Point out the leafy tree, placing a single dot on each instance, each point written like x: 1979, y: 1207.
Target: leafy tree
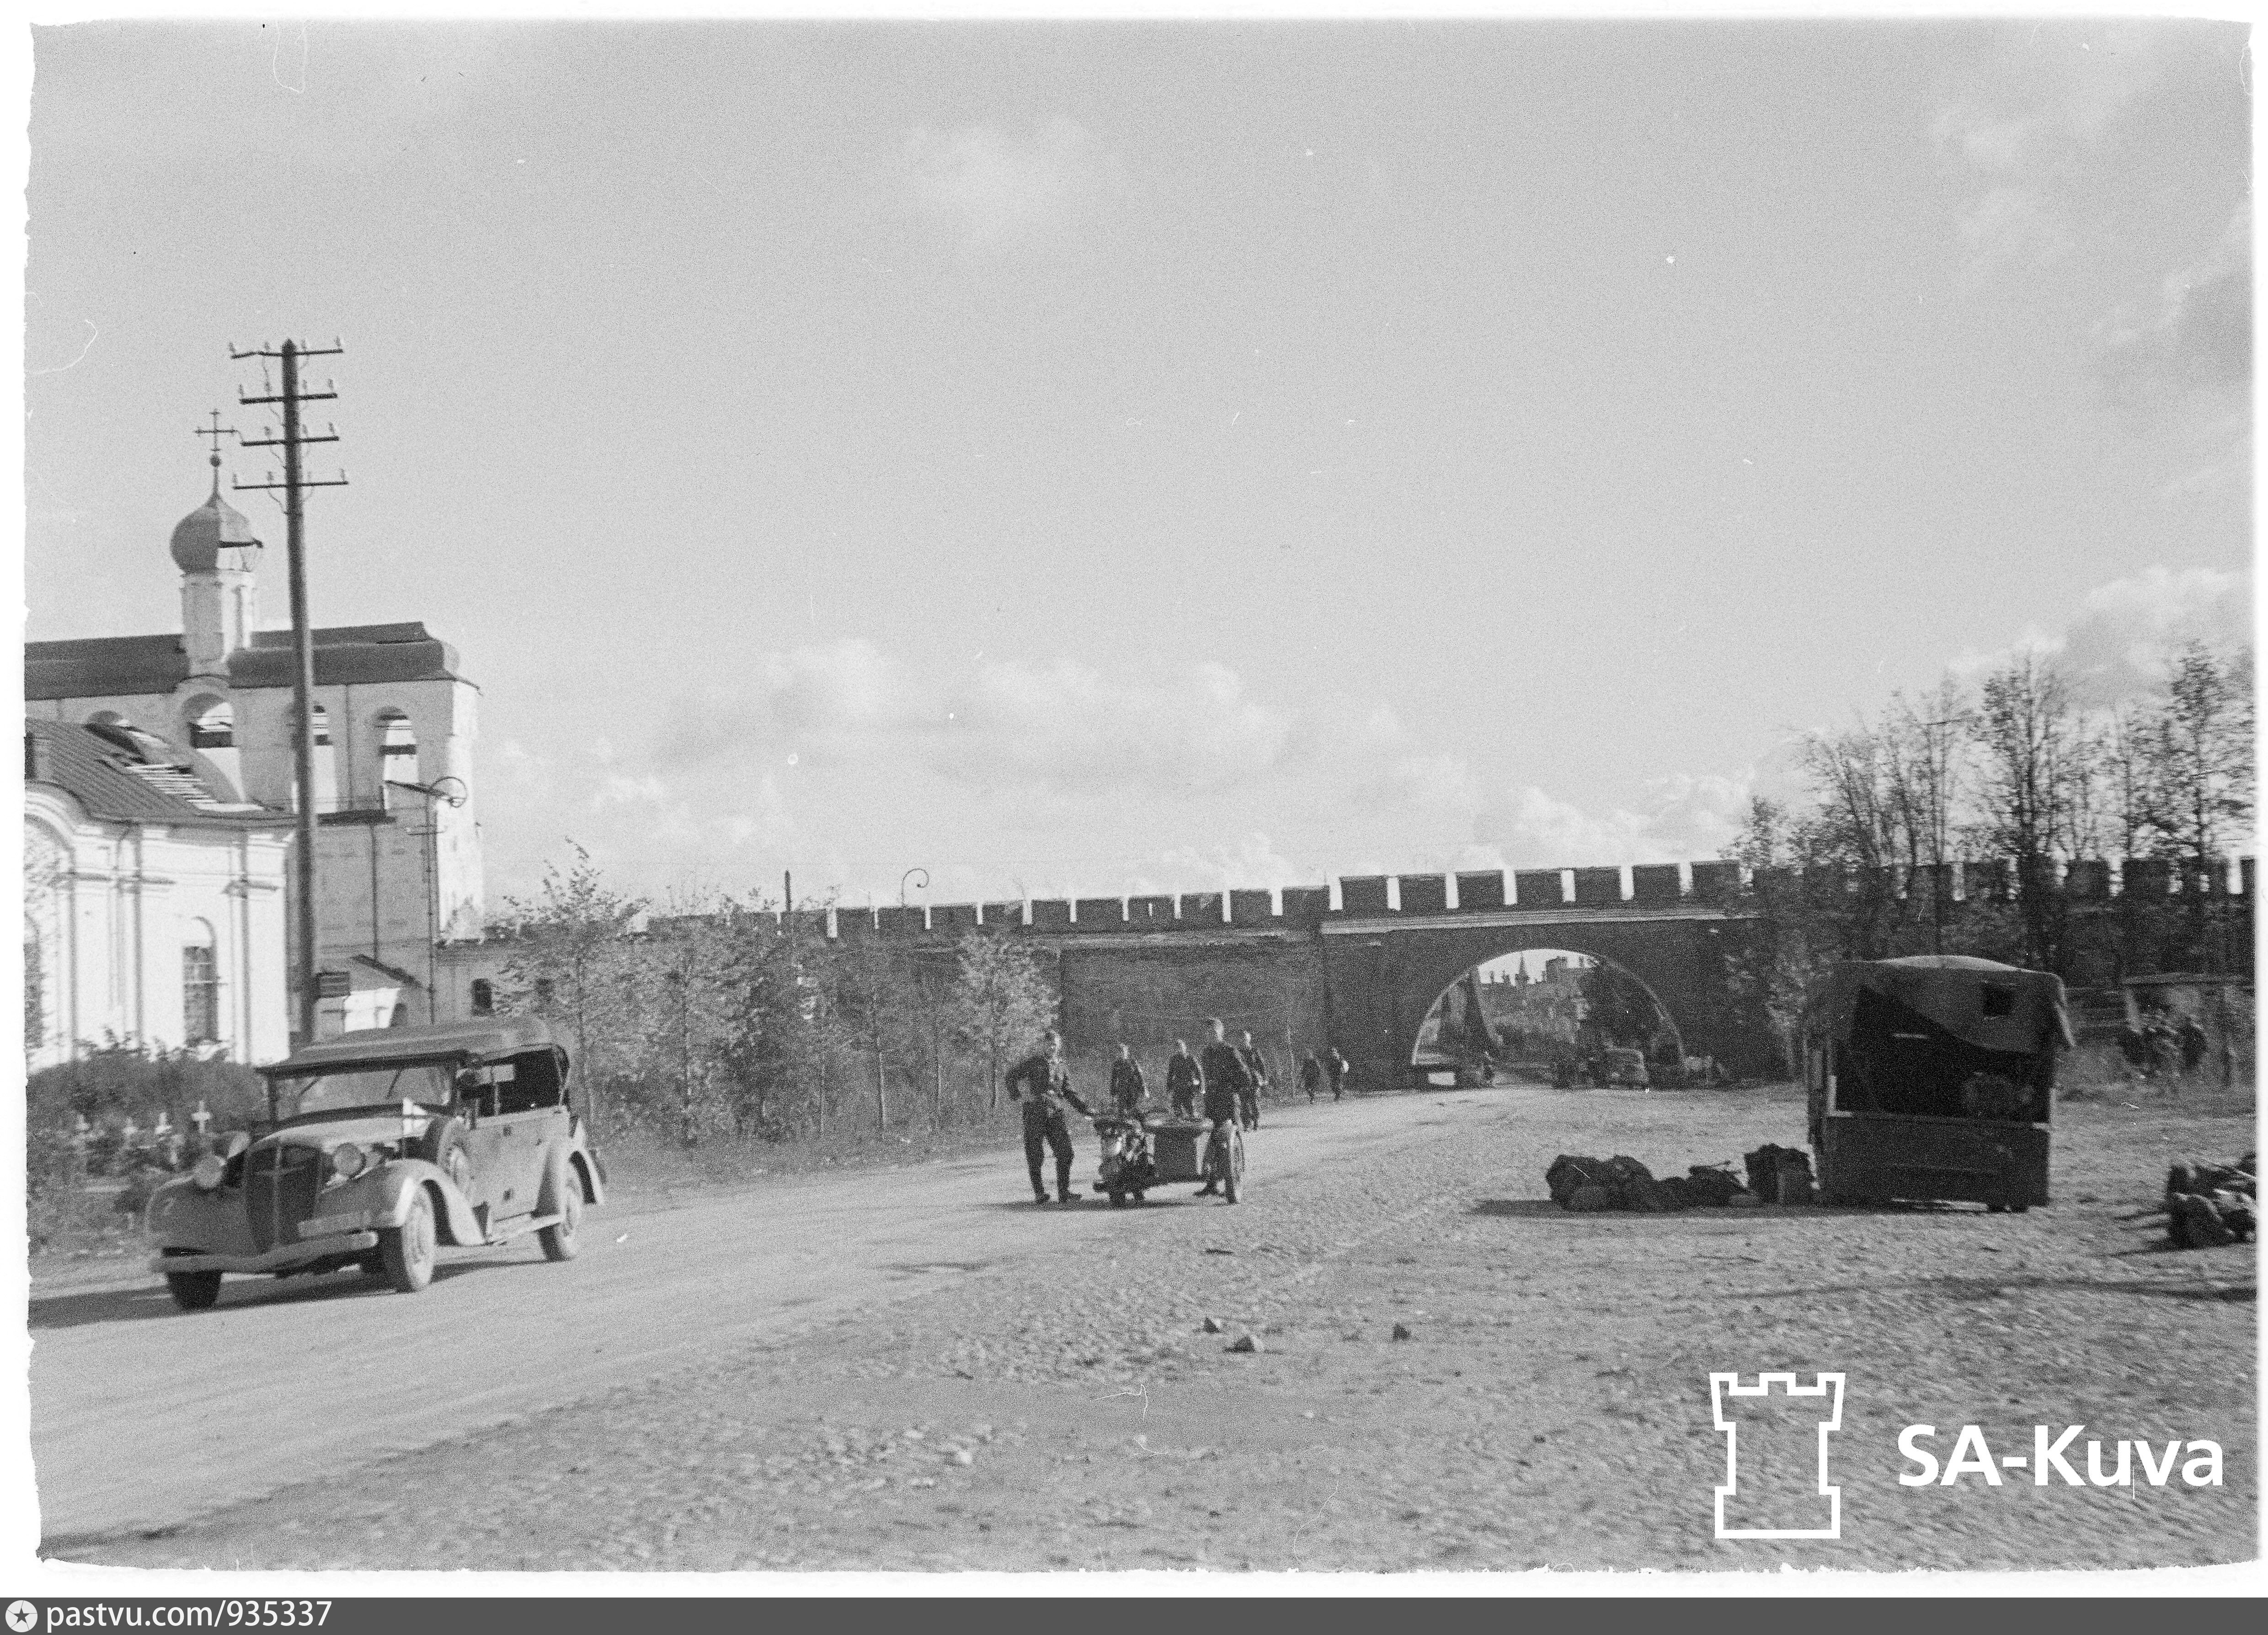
x: 571, y: 964
x: 1002, y: 1001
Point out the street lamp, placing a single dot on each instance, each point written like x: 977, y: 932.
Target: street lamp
x: 908, y: 875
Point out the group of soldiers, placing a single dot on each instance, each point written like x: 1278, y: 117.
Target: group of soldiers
x: 2160, y: 1049
x: 1225, y: 1079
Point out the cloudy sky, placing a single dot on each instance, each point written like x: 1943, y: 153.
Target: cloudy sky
x: 1083, y: 459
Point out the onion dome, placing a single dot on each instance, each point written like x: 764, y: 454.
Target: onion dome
x: 212, y: 527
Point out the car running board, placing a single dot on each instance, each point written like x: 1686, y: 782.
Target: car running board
x: 511, y: 1229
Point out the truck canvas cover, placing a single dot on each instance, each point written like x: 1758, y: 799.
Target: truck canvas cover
x: 1924, y: 1036
x: 1980, y: 1002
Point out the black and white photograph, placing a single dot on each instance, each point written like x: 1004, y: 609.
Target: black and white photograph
x: 1136, y: 806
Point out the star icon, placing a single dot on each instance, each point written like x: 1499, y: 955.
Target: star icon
x: 22, y: 1616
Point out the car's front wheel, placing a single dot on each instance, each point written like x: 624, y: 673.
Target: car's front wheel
x: 558, y: 1239
x: 194, y: 1291
x: 408, y: 1250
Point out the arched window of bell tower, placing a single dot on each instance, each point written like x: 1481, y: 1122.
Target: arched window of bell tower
x: 212, y: 736
x: 397, y: 750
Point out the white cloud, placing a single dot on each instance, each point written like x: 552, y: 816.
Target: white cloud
x: 1251, y: 864
x: 990, y: 188
x: 1683, y: 817
x: 1066, y: 729
x: 2038, y: 110
x: 2117, y: 645
x: 2197, y: 335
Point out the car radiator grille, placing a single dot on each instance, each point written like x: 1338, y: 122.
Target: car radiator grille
x: 280, y: 1187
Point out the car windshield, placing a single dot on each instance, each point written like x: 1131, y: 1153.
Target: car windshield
x: 425, y: 1082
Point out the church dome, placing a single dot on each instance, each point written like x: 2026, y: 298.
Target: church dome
x: 200, y: 537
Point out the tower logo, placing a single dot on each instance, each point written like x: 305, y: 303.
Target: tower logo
x: 1775, y: 1455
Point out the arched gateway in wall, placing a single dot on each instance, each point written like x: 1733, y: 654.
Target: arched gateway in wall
x: 1383, y: 974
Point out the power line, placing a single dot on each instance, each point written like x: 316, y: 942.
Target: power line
x: 294, y: 487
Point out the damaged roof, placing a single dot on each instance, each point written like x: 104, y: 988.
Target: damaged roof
x: 126, y: 776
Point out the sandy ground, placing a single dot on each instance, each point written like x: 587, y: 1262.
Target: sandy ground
x: 919, y: 1371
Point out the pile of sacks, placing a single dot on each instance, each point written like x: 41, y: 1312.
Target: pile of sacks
x: 1585, y: 1184
x: 2209, y: 1204
x: 1777, y: 1175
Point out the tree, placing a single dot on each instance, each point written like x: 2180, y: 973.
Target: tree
x: 570, y: 963
x: 1002, y: 1001
x: 2029, y: 758
x: 772, y: 1039
x: 2202, y: 749
x: 2203, y: 791
x: 1624, y: 1012
x: 1925, y: 787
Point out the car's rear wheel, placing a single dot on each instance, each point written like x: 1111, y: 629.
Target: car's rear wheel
x: 194, y: 1291
x: 408, y: 1251
x: 558, y: 1239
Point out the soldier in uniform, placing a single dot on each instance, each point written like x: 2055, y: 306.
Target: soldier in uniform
x: 1227, y: 1081
x: 1043, y: 1084
x: 1129, y: 1092
x: 1336, y: 1065
x: 1184, y: 1080
x: 1255, y: 1074
x: 1311, y: 1075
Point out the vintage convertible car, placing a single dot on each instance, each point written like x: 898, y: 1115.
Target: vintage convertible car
x: 381, y: 1146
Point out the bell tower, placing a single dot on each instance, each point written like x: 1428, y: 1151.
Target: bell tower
x: 219, y: 560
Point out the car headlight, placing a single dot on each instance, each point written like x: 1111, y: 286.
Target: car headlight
x: 208, y: 1170
x: 347, y: 1161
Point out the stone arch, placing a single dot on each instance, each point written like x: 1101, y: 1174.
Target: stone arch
x: 1383, y: 978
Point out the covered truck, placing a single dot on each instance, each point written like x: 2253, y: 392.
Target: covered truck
x: 1932, y: 1078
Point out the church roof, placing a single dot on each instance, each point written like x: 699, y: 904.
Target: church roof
x: 111, y: 666
x: 131, y: 776
x: 200, y: 537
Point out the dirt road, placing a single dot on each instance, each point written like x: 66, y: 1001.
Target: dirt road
x: 917, y: 1371
x: 141, y: 1412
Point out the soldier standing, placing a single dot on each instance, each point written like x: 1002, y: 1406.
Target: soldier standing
x: 1184, y: 1080
x: 1226, y: 1084
x: 1311, y: 1076
x: 1043, y: 1084
x: 1128, y: 1090
x: 1255, y: 1071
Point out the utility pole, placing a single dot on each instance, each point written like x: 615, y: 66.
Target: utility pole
x: 294, y: 486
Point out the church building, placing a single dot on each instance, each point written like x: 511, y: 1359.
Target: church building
x: 398, y: 852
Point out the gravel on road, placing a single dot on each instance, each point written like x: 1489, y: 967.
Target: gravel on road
x: 1091, y: 1404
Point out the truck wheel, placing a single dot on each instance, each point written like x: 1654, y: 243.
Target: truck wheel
x: 194, y: 1291
x: 558, y: 1240
x: 408, y: 1250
